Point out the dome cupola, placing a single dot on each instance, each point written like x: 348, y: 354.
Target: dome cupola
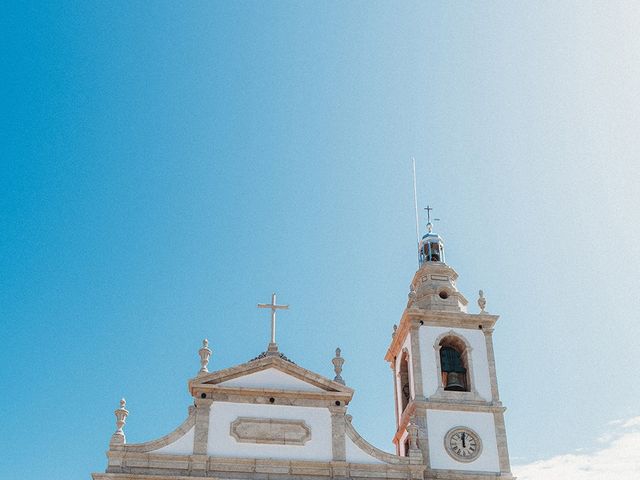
x: 431, y: 247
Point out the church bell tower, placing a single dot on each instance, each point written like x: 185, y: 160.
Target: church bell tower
x: 444, y: 374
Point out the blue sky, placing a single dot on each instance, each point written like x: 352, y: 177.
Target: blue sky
x: 167, y: 167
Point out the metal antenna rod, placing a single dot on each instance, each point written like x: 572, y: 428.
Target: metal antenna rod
x: 415, y: 204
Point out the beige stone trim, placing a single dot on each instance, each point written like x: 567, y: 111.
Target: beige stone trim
x: 420, y: 419
x: 416, y: 365
x: 371, y: 450
x: 201, y: 433
x: 466, y: 475
x: 169, y: 438
x: 215, y: 392
x: 145, y: 466
x: 413, y: 316
x: 501, y: 440
x: 270, y: 431
x: 491, y: 359
x: 312, y: 378
x: 338, y: 432
x: 335, y: 470
x: 461, y: 406
x: 280, y: 397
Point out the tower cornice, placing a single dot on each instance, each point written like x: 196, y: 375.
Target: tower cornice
x: 415, y: 317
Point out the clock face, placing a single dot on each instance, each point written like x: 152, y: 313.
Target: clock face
x: 463, y: 444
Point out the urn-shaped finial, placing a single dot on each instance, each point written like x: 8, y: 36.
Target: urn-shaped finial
x: 482, y: 302
x: 414, y: 453
x: 205, y: 354
x: 121, y: 413
x: 338, y: 361
x: 412, y: 430
x: 395, y: 330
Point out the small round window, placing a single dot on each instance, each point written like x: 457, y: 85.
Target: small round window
x: 444, y: 294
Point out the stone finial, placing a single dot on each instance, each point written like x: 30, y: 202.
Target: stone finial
x: 412, y: 293
x: 395, y: 330
x: 121, y: 413
x: 412, y: 430
x: 338, y: 361
x: 205, y: 354
x: 482, y: 302
x: 414, y: 454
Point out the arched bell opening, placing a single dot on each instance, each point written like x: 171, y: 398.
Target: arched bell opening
x: 454, y: 365
x: 405, y: 389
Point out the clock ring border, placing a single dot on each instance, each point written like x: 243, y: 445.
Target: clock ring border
x: 456, y: 457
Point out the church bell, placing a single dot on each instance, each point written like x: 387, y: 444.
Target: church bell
x: 455, y: 382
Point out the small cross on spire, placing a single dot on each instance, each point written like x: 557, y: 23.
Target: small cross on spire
x: 428, y: 209
x: 273, y: 346
x: 429, y: 224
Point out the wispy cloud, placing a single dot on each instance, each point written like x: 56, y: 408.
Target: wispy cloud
x: 617, y: 459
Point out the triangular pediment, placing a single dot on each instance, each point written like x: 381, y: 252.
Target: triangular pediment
x: 271, y: 378
x: 270, y: 373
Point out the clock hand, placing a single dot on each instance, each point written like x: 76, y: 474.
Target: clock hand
x: 464, y: 445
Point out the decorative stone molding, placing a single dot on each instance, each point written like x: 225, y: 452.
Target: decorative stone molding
x: 270, y: 431
x: 370, y: 449
x: 209, y: 383
x: 415, y: 316
x: 145, y: 466
x: 179, y: 432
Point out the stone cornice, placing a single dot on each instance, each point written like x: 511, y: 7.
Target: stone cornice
x: 461, y: 406
x: 211, y: 381
x: 149, y: 466
x: 412, y: 317
x: 263, y: 395
x: 467, y: 475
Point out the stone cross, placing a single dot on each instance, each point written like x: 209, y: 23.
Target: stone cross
x: 273, y: 346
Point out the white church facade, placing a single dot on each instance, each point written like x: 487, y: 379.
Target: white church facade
x: 270, y: 419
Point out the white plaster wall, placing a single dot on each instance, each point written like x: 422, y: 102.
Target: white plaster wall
x: 182, y: 446
x: 478, y: 357
x: 439, y: 422
x: 221, y: 443
x: 356, y: 455
x: 271, y: 378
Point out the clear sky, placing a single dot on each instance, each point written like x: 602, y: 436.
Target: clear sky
x: 166, y: 166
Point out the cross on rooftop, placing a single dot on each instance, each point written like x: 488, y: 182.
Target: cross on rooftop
x: 429, y: 224
x: 428, y: 209
x: 273, y: 347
